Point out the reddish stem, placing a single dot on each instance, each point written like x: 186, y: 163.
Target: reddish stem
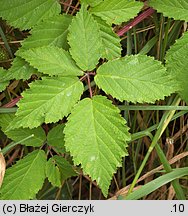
x: 12, y: 102
x: 136, y: 20
x: 92, y: 73
x: 68, y: 5
x: 89, y: 86
x: 83, y: 77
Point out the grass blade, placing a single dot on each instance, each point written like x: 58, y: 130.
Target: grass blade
x: 157, y: 183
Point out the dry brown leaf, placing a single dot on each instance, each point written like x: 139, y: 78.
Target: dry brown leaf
x: 2, y: 168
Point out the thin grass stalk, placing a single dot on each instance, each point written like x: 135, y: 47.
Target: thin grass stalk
x: 152, y: 107
x: 165, y: 41
x: 162, y: 126
x: 8, y: 110
x: 146, y: 132
x: 6, y: 42
x: 13, y: 144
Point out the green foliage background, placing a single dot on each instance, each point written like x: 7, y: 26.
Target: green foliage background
x: 63, y: 51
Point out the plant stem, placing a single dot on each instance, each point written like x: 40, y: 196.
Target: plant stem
x: 146, y: 132
x: 126, y: 103
x: 152, y: 107
x: 6, y: 43
x: 135, y: 21
x: 175, y: 183
x: 175, y: 32
x: 149, y: 45
x: 89, y: 85
x: 167, y: 167
x: 160, y: 41
x: 12, y: 144
x: 156, y: 183
x: 8, y: 110
x: 162, y: 126
x: 165, y: 39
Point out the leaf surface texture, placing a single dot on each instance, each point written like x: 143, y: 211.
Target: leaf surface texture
x: 96, y: 136
x: 173, y: 8
x: 24, y: 179
x: 177, y: 64
x: 53, y: 173
x: 136, y: 78
x: 24, y: 14
x: 86, y: 42
x: 52, y: 60
x: 21, y: 133
x: 117, y: 11
x: 111, y: 47
x: 55, y: 138
x: 50, y: 32
x: 48, y: 100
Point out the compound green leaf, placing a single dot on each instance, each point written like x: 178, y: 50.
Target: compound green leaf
x: 24, y: 14
x: 173, y: 8
x: 55, y: 138
x: 53, y: 173
x: 24, y: 179
x: 111, y: 47
x: 96, y: 136
x: 50, y: 32
x: 48, y: 100
x: 117, y: 11
x: 22, y: 133
x: 51, y: 60
x: 66, y: 169
x: 136, y: 78
x: 86, y: 43
x: 177, y: 64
